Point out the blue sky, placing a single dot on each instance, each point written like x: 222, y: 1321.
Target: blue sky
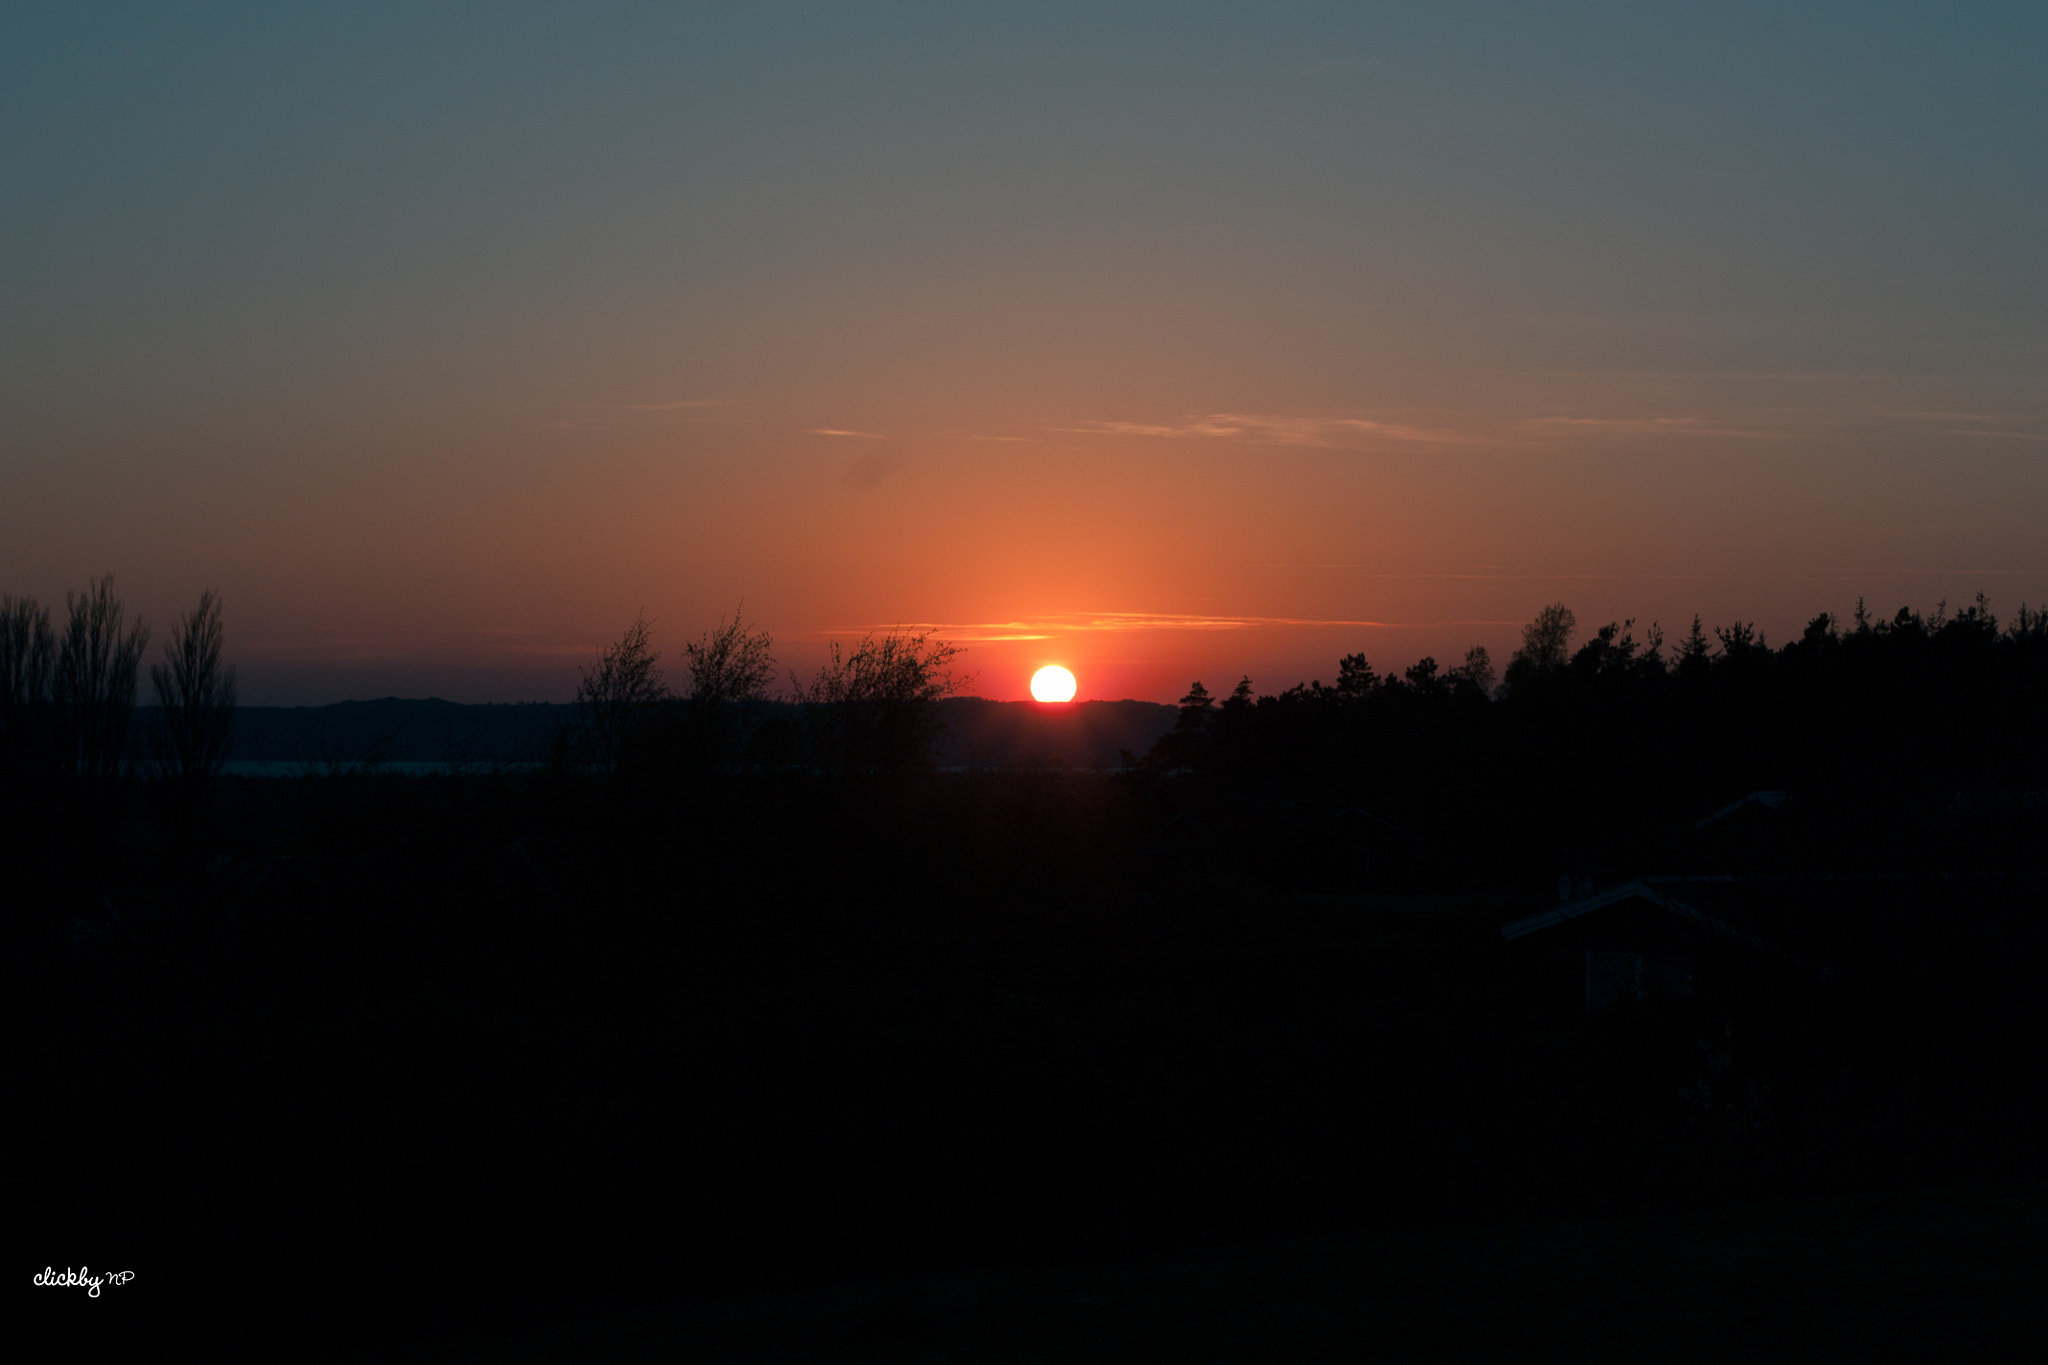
x: 442, y: 340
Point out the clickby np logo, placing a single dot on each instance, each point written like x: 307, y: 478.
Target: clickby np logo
x: 82, y: 1278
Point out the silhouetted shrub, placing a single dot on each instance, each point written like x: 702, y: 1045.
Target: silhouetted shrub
x: 620, y: 693
x: 195, y: 696
x: 871, y: 711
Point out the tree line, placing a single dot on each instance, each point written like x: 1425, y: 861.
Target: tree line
x: 866, y: 710
x: 1829, y: 699
x: 67, y: 699
x: 744, y: 992
x: 1949, y: 697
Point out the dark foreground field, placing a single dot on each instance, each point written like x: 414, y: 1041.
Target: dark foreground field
x: 360, y: 1058
x: 1928, y: 1275
x: 1400, y: 982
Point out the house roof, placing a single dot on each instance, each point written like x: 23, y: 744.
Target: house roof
x: 1768, y: 800
x: 1662, y: 892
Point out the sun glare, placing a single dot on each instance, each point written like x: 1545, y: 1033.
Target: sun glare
x: 1052, y: 683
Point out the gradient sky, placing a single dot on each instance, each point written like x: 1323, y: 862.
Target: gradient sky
x: 1163, y: 342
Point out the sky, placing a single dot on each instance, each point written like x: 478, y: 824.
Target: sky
x: 1164, y: 342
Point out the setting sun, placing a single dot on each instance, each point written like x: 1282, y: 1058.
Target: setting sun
x: 1052, y: 683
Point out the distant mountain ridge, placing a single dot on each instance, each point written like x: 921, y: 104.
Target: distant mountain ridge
x: 399, y: 729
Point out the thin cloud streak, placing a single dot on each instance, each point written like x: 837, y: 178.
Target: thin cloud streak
x: 1650, y: 426
x: 1080, y: 623
x: 1270, y: 429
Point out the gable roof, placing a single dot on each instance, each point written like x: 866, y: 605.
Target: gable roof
x: 1768, y: 800
x: 1658, y: 891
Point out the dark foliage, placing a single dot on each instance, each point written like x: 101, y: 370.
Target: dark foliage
x: 344, y: 1052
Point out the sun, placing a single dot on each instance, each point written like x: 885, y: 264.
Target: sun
x: 1052, y: 683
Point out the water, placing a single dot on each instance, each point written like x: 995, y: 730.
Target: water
x: 245, y: 767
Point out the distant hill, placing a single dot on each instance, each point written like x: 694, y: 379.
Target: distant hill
x: 1086, y: 734
x: 396, y: 729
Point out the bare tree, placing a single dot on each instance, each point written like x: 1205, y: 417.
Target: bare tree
x: 195, y: 697
x: 730, y: 663
x: 95, y: 679
x: 28, y: 656
x: 620, y: 693
x: 873, y: 710
x: 729, y: 671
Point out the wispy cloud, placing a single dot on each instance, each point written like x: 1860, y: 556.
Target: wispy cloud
x: 836, y: 431
x: 1648, y: 426
x: 677, y: 406
x: 1942, y: 415
x: 1645, y: 576
x: 1993, y: 426
x: 1274, y: 429
x: 1143, y: 620
x: 1124, y: 622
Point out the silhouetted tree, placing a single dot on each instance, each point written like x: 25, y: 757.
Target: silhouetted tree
x: 97, y: 662
x: 1475, y: 675
x: 1975, y: 622
x: 730, y: 663
x: 1546, y: 638
x: 874, y: 710
x: 28, y: 655
x: 729, y: 669
x: 1234, y: 738
x: 1611, y: 652
x: 1354, y: 678
x: 195, y: 696
x: 1183, y: 745
x: 1422, y: 678
x: 619, y: 695
x: 1820, y: 632
x: 1742, y: 643
x: 1696, y: 654
x: 1545, y: 642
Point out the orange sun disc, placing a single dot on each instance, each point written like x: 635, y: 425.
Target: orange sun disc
x: 1052, y: 683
